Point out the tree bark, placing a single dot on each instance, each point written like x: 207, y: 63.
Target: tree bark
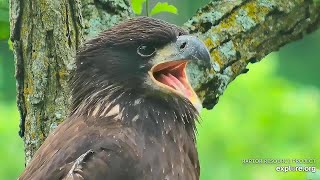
x: 242, y: 32
x: 46, y: 35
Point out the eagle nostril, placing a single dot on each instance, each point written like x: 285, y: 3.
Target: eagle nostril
x: 183, y: 45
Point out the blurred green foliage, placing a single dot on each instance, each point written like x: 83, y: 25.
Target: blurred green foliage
x: 163, y: 7
x: 4, y: 19
x: 270, y: 112
x: 160, y: 7
x: 261, y: 115
x: 137, y: 6
x: 11, y: 145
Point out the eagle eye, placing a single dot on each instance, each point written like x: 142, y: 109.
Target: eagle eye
x: 146, y: 51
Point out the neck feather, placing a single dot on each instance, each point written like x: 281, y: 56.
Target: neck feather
x: 151, y: 114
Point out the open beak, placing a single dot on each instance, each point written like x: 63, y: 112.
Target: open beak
x: 170, y: 62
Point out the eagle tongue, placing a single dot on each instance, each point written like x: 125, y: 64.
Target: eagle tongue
x: 175, y: 83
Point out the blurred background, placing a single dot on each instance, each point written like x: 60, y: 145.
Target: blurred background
x: 272, y: 112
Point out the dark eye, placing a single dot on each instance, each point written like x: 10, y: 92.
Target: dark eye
x: 146, y: 51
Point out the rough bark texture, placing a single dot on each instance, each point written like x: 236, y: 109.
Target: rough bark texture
x: 242, y: 32
x: 46, y: 35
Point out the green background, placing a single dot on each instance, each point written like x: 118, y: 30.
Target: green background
x: 271, y: 112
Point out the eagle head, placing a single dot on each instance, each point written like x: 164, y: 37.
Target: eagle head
x: 139, y: 62
x: 133, y: 109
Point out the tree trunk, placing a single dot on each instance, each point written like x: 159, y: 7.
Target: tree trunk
x: 46, y: 35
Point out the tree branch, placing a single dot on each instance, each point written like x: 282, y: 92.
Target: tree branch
x: 242, y: 32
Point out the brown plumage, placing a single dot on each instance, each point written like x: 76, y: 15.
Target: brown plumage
x: 133, y: 111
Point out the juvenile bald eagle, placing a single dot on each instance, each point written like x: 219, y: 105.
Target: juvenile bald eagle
x: 133, y: 111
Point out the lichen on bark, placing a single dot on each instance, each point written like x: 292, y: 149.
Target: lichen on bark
x: 241, y: 32
x: 45, y: 36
